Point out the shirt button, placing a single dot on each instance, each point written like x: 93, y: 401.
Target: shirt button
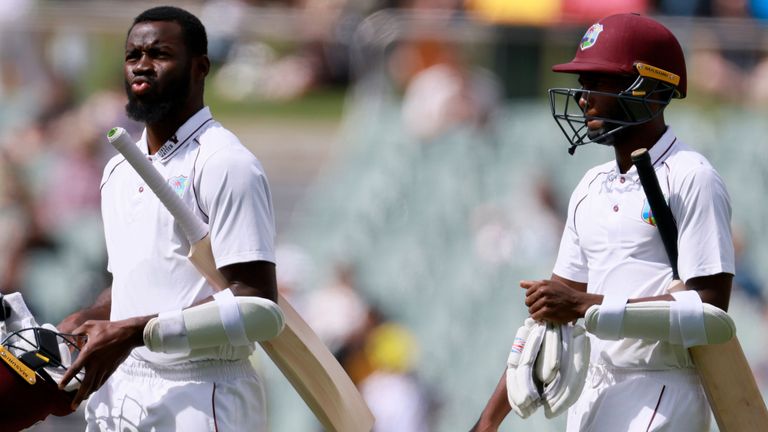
x: 622, y: 180
x: 616, y: 208
x: 141, y: 189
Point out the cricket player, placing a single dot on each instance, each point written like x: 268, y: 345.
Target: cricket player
x: 133, y: 388
x: 629, y: 68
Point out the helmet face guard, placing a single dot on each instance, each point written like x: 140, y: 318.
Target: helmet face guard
x: 641, y: 102
x: 32, y: 359
x: 40, y: 350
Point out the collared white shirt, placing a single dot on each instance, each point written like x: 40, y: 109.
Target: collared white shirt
x: 611, y: 243
x: 223, y: 183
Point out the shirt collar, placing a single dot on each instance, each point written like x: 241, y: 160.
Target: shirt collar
x: 659, y: 152
x: 183, y: 135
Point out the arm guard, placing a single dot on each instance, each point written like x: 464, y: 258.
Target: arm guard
x: 228, y: 319
x: 686, y: 321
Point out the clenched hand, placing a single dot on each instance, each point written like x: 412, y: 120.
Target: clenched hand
x: 553, y: 301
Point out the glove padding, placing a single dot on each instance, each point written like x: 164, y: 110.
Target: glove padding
x: 547, y: 366
x: 571, y: 371
x: 522, y: 388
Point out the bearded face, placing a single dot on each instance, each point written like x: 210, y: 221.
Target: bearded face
x: 158, y: 71
x: 159, y: 100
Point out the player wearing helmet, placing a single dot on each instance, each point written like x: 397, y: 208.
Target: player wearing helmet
x: 611, y: 253
x: 636, y: 64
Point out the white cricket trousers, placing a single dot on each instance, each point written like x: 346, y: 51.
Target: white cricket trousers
x: 640, y: 401
x: 206, y: 396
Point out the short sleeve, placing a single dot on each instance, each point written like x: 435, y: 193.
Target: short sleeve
x: 571, y: 262
x: 703, y: 212
x: 235, y: 195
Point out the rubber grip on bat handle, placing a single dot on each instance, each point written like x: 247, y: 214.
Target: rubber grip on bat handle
x: 665, y: 222
x: 192, y: 226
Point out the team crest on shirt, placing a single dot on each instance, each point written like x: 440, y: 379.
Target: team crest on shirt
x: 179, y: 184
x: 647, y: 214
x: 590, y: 37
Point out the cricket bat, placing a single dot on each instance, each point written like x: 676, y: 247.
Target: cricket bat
x: 298, y: 352
x: 727, y: 379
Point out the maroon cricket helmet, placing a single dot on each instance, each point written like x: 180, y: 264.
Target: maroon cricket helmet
x: 29, y: 360
x: 23, y: 404
x: 618, y: 43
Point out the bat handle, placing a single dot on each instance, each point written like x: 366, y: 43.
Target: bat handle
x: 194, y: 229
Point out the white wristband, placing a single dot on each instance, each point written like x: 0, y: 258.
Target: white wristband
x: 611, y: 315
x: 686, y: 319
x: 231, y: 318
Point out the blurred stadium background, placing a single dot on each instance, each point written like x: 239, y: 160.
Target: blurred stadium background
x: 416, y: 172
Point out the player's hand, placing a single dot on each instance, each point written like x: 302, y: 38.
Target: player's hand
x: 555, y: 302
x: 70, y: 323
x: 108, y: 344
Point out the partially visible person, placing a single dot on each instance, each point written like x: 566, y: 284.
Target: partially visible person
x: 630, y: 67
x: 131, y: 387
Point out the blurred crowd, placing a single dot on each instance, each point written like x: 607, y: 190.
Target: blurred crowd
x: 441, y: 174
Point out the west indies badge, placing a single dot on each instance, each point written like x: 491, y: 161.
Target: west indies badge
x: 647, y: 214
x: 590, y: 37
x: 179, y: 184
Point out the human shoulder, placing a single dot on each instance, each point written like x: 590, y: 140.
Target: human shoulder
x: 687, y: 165
x: 222, y: 151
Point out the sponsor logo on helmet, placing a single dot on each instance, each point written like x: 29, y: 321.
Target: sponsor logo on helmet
x: 590, y: 37
x: 179, y: 184
x: 657, y: 73
x: 20, y: 368
x: 647, y: 214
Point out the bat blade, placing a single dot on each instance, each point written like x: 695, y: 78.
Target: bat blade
x: 317, y: 376
x: 725, y: 374
x: 298, y: 352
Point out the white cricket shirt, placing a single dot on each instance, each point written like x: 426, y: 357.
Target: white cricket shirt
x: 223, y: 183
x: 610, y: 242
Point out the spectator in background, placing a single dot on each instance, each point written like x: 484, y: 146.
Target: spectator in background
x: 394, y: 394
x: 61, y: 259
x: 337, y: 312
x: 320, y: 59
x: 746, y: 281
x: 441, y: 91
x: 586, y: 11
x: 19, y: 228
x: 224, y: 21
x: 688, y: 8
x: 735, y: 61
x: 503, y: 234
x: 542, y: 12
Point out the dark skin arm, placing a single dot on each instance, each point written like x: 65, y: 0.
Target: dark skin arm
x: 98, y: 311
x: 495, y: 410
x: 110, y: 342
x: 559, y: 301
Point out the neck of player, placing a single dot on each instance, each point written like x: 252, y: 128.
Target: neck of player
x: 636, y: 137
x: 161, y: 131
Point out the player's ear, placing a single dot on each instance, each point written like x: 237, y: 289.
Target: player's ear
x: 201, y: 65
